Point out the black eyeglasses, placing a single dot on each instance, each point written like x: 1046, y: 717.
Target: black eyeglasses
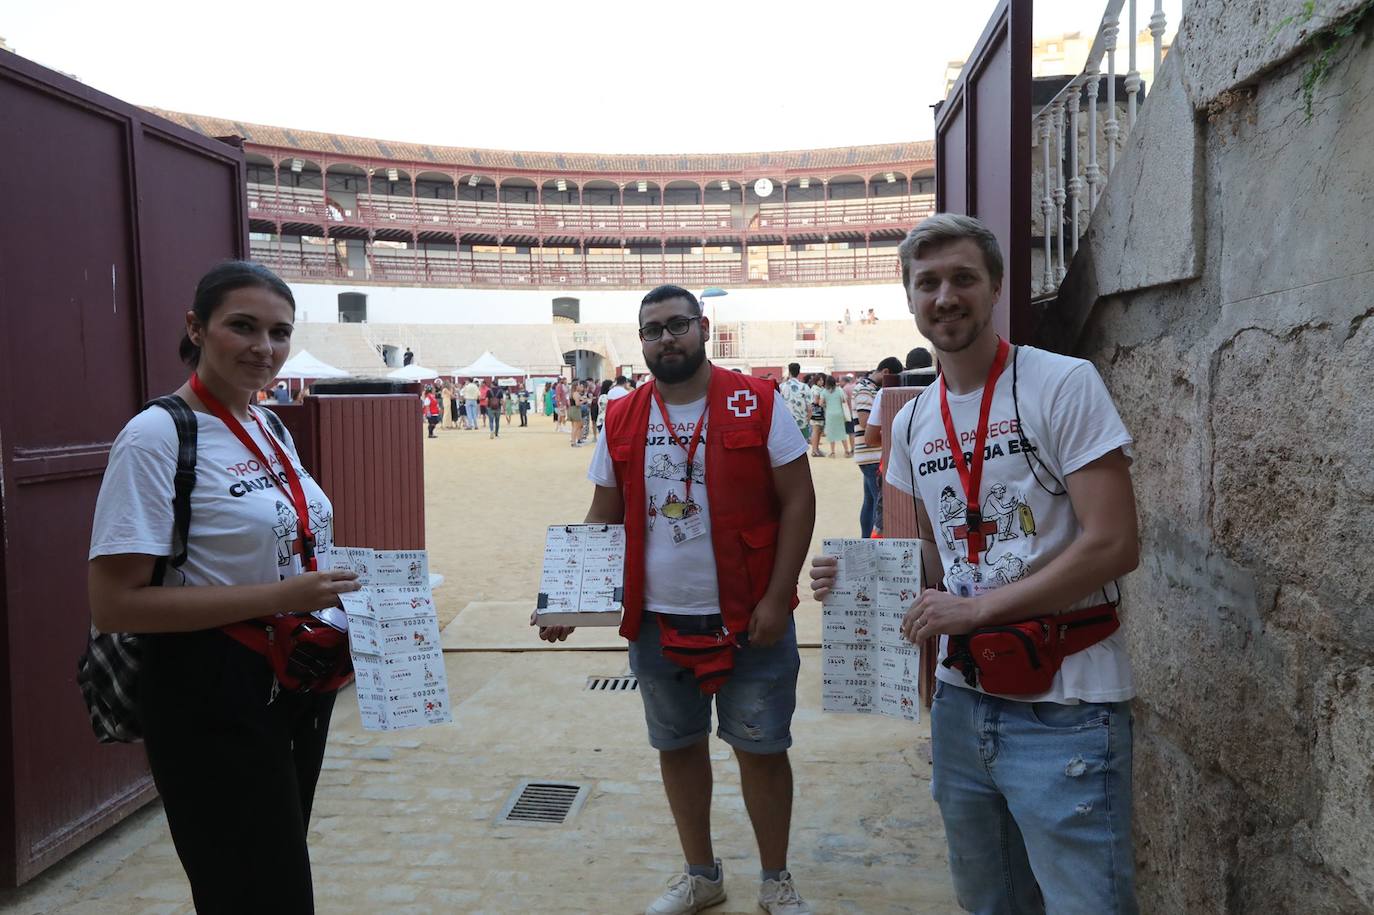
x: 676, y: 326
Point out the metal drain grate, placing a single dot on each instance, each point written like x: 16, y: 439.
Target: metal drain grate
x: 535, y: 803
x: 614, y: 684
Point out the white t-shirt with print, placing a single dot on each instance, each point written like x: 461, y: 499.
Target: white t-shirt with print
x: 243, y: 525
x: 681, y: 577
x: 1070, y: 421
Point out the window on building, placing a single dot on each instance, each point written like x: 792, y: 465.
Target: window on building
x: 352, y: 308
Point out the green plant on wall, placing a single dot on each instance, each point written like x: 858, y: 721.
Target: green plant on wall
x: 1331, y: 41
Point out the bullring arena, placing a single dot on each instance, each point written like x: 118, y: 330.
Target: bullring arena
x: 414, y: 247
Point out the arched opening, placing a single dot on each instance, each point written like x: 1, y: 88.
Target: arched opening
x: 473, y: 187
x: 560, y: 192
x: 887, y: 184
x: 586, y: 363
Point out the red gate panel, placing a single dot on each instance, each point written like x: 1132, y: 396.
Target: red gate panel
x: 983, y: 152
x: 110, y: 216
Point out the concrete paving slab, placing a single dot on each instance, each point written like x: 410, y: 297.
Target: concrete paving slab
x: 405, y: 821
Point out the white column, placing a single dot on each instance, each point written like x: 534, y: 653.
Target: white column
x: 1047, y: 200
x: 1112, y: 129
x: 1094, y: 171
x: 1157, y: 23
x: 1059, y: 196
x: 1132, y: 77
x: 1075, y: 100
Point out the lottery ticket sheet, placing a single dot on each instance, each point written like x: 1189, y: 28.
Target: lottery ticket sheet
x: 867, y: 667
x: 584, y: 575
x: 393, y: 635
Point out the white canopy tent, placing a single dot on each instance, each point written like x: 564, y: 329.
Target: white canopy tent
x: 305, y: 367
x: 488, y: 366
x: 414, y: 373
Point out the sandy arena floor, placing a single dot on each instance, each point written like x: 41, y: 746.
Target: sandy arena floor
x: 405, y: 821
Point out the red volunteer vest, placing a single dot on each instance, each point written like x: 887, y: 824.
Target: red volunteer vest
x: 739, y: 490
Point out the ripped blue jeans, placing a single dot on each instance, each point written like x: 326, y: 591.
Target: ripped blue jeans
x: 754, y: 707
x: 1036, y: 799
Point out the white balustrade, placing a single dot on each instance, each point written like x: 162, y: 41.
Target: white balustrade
x: 1069, y: 197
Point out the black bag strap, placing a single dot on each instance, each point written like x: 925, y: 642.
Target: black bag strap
x: 273, y: 420
x: 184, y: 481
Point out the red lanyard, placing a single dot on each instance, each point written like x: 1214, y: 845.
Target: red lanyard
x: 288, y: 470
x: 696, y: 438
x: 974, y: 529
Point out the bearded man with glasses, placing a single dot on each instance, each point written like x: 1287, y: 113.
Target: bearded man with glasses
x: 708, y: 473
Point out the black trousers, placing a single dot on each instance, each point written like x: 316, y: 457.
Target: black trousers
x: 237, y: 775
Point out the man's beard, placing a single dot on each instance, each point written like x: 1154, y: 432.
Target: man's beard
x: 680, y: 370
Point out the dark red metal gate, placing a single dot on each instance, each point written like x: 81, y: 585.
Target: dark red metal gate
x: 983, y: 152
x: 110, y: 216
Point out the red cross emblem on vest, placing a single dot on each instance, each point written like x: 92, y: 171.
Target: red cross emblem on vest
x: 742, y: 403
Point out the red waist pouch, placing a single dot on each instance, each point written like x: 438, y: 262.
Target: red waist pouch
x: 1021, y: 659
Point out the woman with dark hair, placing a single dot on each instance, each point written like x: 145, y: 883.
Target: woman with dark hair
x: 235, y: 756
x: 574, y: 413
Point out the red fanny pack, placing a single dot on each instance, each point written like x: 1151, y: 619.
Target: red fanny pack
x: 709, y: 655
x: 1021, y: 659
x: 305, y: 653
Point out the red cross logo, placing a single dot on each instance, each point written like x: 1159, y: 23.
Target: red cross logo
x: 743, y: 403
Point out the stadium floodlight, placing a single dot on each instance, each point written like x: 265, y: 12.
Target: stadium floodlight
x: 643, y: 186
x: 472, y: 181
x: 891, y: 178
x: 297, y: 165
x: 804, y: 183
x: 393, y: 175
x: 724, y: 185
x: 561, y: 185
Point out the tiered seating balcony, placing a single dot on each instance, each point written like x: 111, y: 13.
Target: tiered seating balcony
x: 464, y: 216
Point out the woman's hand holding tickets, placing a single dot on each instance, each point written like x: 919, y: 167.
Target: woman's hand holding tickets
x: 311, y: 591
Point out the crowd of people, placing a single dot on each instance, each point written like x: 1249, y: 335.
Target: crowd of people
x: 473, y: 404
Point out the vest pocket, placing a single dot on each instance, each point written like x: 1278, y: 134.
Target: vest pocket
x: 742, y: 438
x: 759, y: 548
x: 619, y: 450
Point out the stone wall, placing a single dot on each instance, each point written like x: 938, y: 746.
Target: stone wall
x: 1224, y: 291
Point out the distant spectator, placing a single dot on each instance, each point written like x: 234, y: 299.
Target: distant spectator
x: 495, y: 397
x: 471, y: 395
x: 282, y: 394
x: 619, y: 389
x: 865, y: 455
x: 847, y: 318
x: 431, y: 409
x: 795, y: 394
x: 408, y: 358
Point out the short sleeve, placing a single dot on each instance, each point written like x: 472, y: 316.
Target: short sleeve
x: 899, y: 456
x: 133, y: 513
x: 602, y: 470
x: 785, y: 442
x: 1084, y: 421
x: 875, y: 415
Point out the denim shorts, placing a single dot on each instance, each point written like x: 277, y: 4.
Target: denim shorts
x: 754, y: 707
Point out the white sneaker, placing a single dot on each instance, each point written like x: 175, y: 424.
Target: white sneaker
x: 687, y: 894
x: 780, y: 897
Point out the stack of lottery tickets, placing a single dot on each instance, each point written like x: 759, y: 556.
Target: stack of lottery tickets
x: 393, y: 634
x: 582, y: 583
x: 866, y: 665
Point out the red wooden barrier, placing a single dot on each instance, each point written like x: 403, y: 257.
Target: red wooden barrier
x: 370, y: 461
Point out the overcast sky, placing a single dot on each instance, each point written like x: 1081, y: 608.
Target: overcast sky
x: 606, y: 76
